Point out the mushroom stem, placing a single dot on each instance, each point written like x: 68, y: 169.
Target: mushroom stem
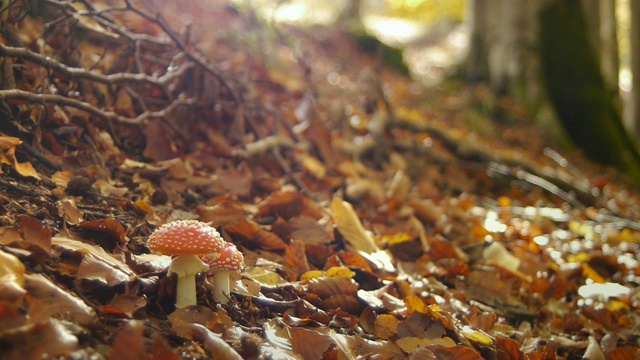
x: 221, y: 286
x: 186, y: 267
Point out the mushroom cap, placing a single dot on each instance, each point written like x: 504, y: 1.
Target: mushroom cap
x: 227, y: 259
x: 186, y: 237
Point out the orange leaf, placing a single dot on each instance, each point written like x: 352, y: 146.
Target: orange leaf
x: 287, y: 205
x: 415, y: 303
x: 109, y: 227
x: 35, y: 232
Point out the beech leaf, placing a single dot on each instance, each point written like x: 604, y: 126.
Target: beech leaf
x: 349, y: 225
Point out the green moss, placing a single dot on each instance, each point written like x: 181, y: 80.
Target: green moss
x: 577, y: 89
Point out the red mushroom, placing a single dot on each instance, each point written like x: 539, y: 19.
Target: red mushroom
x: 188, y: 239
x: 223, y: 264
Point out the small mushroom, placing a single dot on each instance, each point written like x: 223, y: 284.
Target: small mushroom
x: 223, y: 264
x: 187, y: 240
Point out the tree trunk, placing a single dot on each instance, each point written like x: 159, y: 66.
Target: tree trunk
x: 577, y: 89
x: 634, y: 36
x: 609, y: 56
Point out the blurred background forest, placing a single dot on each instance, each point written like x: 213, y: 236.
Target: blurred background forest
x: 569, y: 63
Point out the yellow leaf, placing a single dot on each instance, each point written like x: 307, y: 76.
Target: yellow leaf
x: 410, y: 343
x: 476, y: 336
x: 7, y: 142
x: 340, y: 271
x: 582, y: 257
x: 592, y: 274
x: 385, y: 326
x: 26, y: 169
x: 415, y: 303
x: 12, y: 267
x: 349, y: 225
x: 312, y: 274
x: 397, y: 238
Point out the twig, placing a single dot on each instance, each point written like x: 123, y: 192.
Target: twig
x: 91, y: 109
x: 569, y: 197
x: 81, y: 73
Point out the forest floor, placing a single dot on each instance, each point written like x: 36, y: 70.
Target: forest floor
x: 378, y: 218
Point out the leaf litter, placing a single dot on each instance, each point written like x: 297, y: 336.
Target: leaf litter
x: 373, y: 223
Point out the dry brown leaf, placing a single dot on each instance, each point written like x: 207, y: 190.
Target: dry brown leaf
x: 421, y: 326
x: 52, y: 301
x: 307, y: 229
x: 328, y: 286
x: 96, y: 263
x: 410, y: 344
x: 109, y: 227
x: 221, y: 214
x: 349, y: 225
x: 68, y: 210
x: 182, y: 319
x: 39, y: 340
x: 129, y: 343
x: 348, y: 303
x: 308, y: 343
x: 35, y: 232
x: 508, y: 349
x: 125, y: 305
x: 9, y: 234
x: 160, y: 144
x: 214, y: 344
x: 624, y: 353
x: 11, y: 278
x: 295, y: 258
x: 385, y: 326
x: 236, y: 181
x: 287, y: 204
x: 254, y: 235
x: 457, y: 352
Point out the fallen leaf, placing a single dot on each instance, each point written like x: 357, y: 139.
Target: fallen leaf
x: 385, y: 326
x: 410, y: 344
x: 422, y: 326
x: 309, y: 344
x: 68, y: 210
x: 110, y: 227
x: 217, y: 347
x: 604, y: 291
x: 52, y: 301
x: 129, y: 343
x: 96, y: 263
x: 183, y: 319
x: 35, y: 232
x: 287, y: 204
x: 11, y: 278
x: 349, y: 225
x: 457, y: 352
x: 39, y: 340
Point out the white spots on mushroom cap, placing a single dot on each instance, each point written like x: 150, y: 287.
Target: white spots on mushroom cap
x: 186, y: 237
x: 228, y: 258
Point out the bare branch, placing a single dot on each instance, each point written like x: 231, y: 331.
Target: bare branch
x: 81, y: 73
x: 91, y: 109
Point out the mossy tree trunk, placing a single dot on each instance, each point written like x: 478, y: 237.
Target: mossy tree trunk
x: 576, y: 87
x: 634, y: 36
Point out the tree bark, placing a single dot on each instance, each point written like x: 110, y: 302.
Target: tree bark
x: 608, y: 49
x: 577, y: 89
x: 634, y: 36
